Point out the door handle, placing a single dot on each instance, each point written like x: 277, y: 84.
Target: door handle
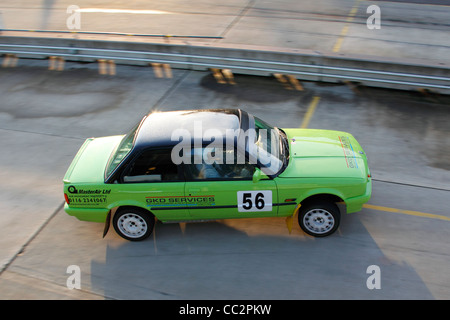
x: 194, y: 190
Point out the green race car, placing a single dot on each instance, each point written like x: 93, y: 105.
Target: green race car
x: 198, y: 165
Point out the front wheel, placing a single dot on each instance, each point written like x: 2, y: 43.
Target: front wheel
x: 319, y: 220
x: 133, y: 224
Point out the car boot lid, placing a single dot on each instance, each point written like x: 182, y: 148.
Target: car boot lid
x: 88, y: 166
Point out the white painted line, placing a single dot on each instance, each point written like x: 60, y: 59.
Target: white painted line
x: 131, y: 11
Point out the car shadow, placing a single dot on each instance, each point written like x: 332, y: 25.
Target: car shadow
x: 251, y: 259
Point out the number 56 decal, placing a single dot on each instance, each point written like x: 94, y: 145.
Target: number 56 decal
x: 260, y: 200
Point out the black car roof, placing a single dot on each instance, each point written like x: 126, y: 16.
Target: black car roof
x: 159, y: 129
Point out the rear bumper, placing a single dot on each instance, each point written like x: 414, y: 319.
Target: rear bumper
x: 355, y: 204
x: 84, y: 214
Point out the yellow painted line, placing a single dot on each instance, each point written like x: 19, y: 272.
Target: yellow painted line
x: 337, y: 45
x: 353, y: 11
x: 408, y: 212
x: 310, y: 111
x: 344, y: 31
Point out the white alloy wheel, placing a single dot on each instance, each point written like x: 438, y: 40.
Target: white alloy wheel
x: 133, y: 223
x: 318, y: 221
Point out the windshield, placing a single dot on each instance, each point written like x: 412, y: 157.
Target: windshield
x: 122, y: 150
x: 270, y: 147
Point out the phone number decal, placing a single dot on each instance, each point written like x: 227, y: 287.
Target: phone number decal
x: 87, y: 200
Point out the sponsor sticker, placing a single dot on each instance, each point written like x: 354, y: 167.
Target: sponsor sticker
x: 174, y: 201
x: 349, y: 153
x: 87, y: 197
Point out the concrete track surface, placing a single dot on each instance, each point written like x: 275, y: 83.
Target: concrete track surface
x: 46, y: 115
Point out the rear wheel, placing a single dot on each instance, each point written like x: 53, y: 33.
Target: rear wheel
x: 133, y: 224
x: 319, y: 219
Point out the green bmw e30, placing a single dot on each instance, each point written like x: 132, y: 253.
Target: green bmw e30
x: 216, y: 164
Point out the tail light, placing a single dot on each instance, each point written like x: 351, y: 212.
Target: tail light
x: 67, y: 198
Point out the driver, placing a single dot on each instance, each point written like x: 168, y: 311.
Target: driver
x: 207, y: 169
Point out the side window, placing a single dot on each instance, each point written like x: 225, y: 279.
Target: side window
x: 217, y: 164
x: 152, y: 166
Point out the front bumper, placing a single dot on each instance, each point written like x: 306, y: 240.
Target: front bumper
x: 355, y: 204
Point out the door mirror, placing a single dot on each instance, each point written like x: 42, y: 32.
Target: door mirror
x: 258, y: 175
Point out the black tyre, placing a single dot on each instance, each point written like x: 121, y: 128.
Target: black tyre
x: 133, y: 224
x: 320, y: 219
